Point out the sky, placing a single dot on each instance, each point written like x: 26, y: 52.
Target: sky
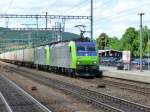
x: 110, y: 16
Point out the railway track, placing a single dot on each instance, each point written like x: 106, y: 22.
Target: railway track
x: 103, y: 101
x: 4, y: 107
x: 17, y: 100
x: 127, y: 86
x: 136, y: 87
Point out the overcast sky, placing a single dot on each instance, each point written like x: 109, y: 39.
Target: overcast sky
x: 110, y: 16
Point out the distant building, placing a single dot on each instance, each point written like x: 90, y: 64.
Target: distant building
x: 110, y: 53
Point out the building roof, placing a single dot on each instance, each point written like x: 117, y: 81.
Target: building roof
x: 108, y: 50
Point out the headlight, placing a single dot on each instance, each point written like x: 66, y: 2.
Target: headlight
x: 78, y: 62
x: 95, y: 62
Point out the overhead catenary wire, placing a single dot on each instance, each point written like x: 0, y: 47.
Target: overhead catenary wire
x: 9, y: 6
x: 81, y: 6
x: 119, y: 15
x: 122, y: 16
x: 76, y: 7
x: 103, y: 4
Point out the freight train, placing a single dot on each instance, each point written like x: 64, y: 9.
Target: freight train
x: 73, y: 58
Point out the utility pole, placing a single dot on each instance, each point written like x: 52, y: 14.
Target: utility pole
x: 7, y: 21
x: 37, y: 21
x: 63, y: 23
x: 141, y: 51
x: 29, y: 34
x: 37, y: 66
x: 37, y: 25
x: 46, y: 24
x: 29, y: 39
x: 46, y: 19
x: 91, y: 20
x: 148, y: 50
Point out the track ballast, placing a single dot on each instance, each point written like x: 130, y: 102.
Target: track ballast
x: 17, y: 99
x: 106, y: 102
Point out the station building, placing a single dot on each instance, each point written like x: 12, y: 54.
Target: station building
x: 110, y: 53
x: 110, y: 57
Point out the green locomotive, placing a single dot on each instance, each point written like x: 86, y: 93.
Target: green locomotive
x: 74, y: 58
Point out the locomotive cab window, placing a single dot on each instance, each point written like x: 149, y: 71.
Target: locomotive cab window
x: 80, y: 48
x: 91, y: 48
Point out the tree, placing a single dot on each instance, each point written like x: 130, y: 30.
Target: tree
x: 109, y: 42
x: 114, y: 43
x: 148, y: 48
x: 102, y: 41
x: 129, y: 41
x: 145, y: 40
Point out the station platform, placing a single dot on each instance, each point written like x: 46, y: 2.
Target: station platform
x: 134, y: 75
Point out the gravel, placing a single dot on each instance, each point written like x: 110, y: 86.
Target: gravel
x: 92, y: 84
x: 54, y: 99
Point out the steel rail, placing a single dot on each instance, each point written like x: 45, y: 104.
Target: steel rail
x: 41, y: 106
x: 5, y: 103
x: 92, y: 101
x: 132, y: 87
